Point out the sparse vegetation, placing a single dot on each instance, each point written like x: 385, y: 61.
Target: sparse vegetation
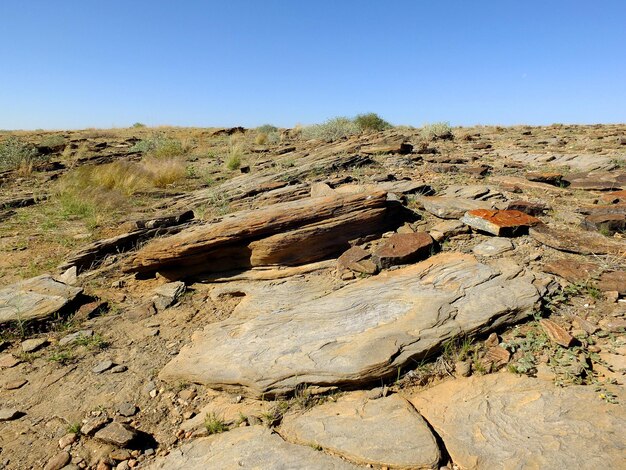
x: 16, y: 154
x: 371, y: 122
x: 331, y: 130
x: 235, y: 157
x: 214, y: 425
x: 437, y: 131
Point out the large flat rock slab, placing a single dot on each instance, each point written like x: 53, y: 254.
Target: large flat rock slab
x: 300, y: 331
x: 384, y: 432
x: 290, y: 234
x: 503, y: 421
x: 584, y: 243
x: 35, y: 299
x: 247, y: 448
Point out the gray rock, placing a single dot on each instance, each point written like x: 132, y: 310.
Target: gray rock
x: 94, y: 424
x: 249, y: 447
x: 35, y: 299
x: 354, y: 335
x: 508, y: 422
x: 167, y: 294
x: 33, y: 344
x: 493, y: 246
x: 384, y: 432
x: 447, y: 229
x: 69, y: 277
x: 446, y: 207
x: 68, y: 339
x: 116, y: 434
x: 9, y: 414
x: 127, y: 409
x: 118, y: 369
x: 102, y: 366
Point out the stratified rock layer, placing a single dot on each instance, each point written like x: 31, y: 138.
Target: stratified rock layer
x: 282, y: 335
x: 503, y: 421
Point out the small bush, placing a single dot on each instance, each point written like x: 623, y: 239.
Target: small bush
x: 235, y: 157
x: 18, y: 155
x: 437, y: 130
x: 53, y: 141
x: 371, y: 122
x: 331, y: 130
x: 261, y: 138
x: 139, y: 125
x: 164, y: 171
x: 159, y: 146
x: 214, y: 425
x: 266, y: 129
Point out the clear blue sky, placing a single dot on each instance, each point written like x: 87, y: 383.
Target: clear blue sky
x: 104, y: 63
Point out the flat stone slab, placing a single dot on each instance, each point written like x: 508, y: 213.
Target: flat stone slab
x: 35, y: 299
x: 448, y: 207
x: 572, y: 270
x: 493, y: 247
x: 403, y: 248
x: 584, y: 243
x: 253, y: 447
x: 305, y: 331
x: 384, y: 432
x: 505, y: 222
x: 505, y: 421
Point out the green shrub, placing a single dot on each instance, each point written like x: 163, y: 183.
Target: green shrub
x: 139, y: 125
x: 266, y: 129
x: 52, y: 141
x: 16, y: 154
x: 437, y: 130
x: 331, y: 130
x: 159, y: 146
x: 371, y: 122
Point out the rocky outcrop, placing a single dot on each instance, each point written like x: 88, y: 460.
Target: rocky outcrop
x: 289, y: 234
x: 508, y: 422
x: 354, y: 335
x: 252, y: 447
x: 386, y: 432
x: 35, y: 299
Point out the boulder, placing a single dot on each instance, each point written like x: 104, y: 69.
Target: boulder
x: 386, y: 432
x: 291, y: 234
x: 35, y: 299
x: 250, y: 447
x: 508, y: 422
x: 352, y: 335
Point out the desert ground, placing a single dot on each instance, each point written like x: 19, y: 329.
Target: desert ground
x: 345, y: 295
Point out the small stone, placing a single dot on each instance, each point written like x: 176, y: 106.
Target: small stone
x: 120, y: 454
x: 69, y: 277
x: 127, y: 409
x: 154, y: 393
x: 116, y: 434
x: 497, y: 356
x: 463, y: 368
x: 492, y: 340
x: 68, y: 339
x: 556, y: 333
x: 613, y: 281
x: 93, y: 425
x: 33, y: 344
x: 9, y: 414
x: 67, y: 440
x: 7, y: 361
x: 102, y: 366
x: 168, y: 294
x: 583, y: 324
x: 122, y: 466
x: 189, y: 414
x: 493, y: 247
x: 594, y: 348
x: 102, y: 465
x: 118, y: 369
x: 613, y: 325
x: 58, y: 461
x: 188, y: 394
x: 612, y: 296
x: 15, y: 384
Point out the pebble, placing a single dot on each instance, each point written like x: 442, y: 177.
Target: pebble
x: 68, y: 339
x: 33, y: 344
x: 92, y: 425
x: 8, y: 360
x: 127, y: 409
x: 188, y: 394
x: 120, y: 454
x: 463, y: 368
x: 118, y: 369
x: 58, y: 461
x: 102, y: 366
x: 67, y: 440
x: 116, y: 434
x: 122, y: 466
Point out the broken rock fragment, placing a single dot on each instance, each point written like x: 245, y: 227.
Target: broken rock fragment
x: 403, y: 248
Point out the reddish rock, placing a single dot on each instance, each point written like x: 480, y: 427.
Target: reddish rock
x: 497, y: 222
x: 572, y: 271
x: 614, y: 197
x: 58, y: 461
x: 556, y: 333
x: 530, y: 208
x: 613, y: 281
x: 8, y: 360
x: 351, y: 256
x: 497, y: 356
x: 403, y: 248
